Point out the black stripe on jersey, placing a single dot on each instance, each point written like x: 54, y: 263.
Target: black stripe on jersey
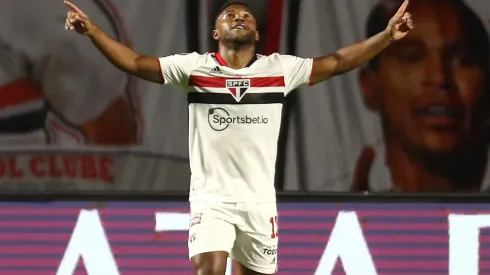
x: 24, y: 123
x: 228, y: 99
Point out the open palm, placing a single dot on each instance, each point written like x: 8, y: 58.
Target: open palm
x: 400, y: 24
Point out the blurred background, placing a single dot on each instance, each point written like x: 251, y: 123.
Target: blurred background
x: 414, y: 120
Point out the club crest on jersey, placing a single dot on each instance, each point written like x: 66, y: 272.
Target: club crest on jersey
x: 238, y: 87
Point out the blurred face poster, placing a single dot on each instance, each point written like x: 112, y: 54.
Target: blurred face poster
x: 414, y: 119
x: 431, y: 94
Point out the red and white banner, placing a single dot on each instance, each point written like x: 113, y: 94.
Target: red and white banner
x: 60, y: 97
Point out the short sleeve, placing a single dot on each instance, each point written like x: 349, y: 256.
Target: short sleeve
x: 177, y: 68
x: 297, y: 71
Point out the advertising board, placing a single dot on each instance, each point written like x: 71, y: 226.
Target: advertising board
x: 145, y: 238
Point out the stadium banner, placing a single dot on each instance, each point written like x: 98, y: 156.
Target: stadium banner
x: 414, y: 119
x: 130, y: 238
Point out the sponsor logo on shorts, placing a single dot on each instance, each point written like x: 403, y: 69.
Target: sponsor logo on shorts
x: 195, y: 219
x: 220, y: 119
x: 192, y: 238
x: 269, y: 250
x: 270, y: 254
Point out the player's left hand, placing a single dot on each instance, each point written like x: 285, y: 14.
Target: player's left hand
x: 401, y: 23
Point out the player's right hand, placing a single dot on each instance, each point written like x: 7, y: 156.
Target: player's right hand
x: 77, y: 20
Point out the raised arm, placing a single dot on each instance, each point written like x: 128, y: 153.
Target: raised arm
x: 119, y: 55
x: 353, y: 56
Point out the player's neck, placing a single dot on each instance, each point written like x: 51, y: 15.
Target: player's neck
x: 237, y: 58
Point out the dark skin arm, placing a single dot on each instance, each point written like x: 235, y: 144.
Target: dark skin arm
x: 353, y: 56
x: 125, y: 58
x: 117, y: 125
x: 119, y: 55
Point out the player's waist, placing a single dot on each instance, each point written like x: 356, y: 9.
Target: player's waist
x: 210, y: 198
x: 232, y: 190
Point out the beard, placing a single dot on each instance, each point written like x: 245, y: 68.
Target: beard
x: 240, y: 40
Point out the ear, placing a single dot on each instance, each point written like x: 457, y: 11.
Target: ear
x: 257, y: 36
x: 369, y: 85
x: 215, y: 35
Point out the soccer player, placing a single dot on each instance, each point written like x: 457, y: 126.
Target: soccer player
x: 235, y: 101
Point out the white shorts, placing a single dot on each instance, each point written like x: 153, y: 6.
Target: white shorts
x: 247, y: 231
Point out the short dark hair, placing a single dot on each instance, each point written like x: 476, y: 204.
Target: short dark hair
x: 474, y: 28
x: 231, y: 3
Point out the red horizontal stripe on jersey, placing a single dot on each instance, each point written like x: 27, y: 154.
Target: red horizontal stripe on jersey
x: 220, y: 82
x: 19, y: 92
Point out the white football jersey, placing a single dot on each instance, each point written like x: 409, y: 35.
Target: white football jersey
x: 234, y: 121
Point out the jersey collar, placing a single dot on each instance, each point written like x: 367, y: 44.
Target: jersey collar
x: 221, y: 61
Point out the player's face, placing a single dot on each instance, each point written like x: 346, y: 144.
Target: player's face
x: 236, y: 24
x: 428, y: 85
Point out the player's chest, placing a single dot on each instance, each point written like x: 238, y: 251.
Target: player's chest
x: 247, y: 83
